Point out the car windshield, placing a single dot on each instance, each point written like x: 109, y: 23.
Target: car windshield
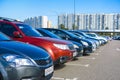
x: 4, y: 37
x: 92, y: 35
x: 28, y: 30
x: 84, y: 34
x: 51, y: 34
x: 77, y: 34
x: 71, y: 34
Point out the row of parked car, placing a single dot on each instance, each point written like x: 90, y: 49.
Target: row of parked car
x: 31, y: 54
x: 116, y: 37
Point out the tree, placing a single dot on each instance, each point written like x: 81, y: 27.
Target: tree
x: 106, y: 28
x: 63, y: 27
x: 74, y: 27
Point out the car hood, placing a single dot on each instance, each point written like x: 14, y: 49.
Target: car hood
x: 27, y: 49
x: 102, y: 38
x: 4, y: 50
x: 50, y: 40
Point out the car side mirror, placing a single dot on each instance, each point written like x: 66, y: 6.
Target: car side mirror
x: 65, y: 38
x: 17, y: 34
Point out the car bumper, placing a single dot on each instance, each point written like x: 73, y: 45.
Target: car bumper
x: 89, y: 50
x: 79, y: 51
x: 27, y: 73
x: 62, y: 56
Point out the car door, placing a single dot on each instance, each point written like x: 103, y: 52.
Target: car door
x: 7, y: 29
x: 62, y: 34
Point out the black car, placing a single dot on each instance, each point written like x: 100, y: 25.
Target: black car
x: 84, y: 36
x: 89, y: 37
x: 33, y: 63
x: 87, y: 46
x: 47, y: 33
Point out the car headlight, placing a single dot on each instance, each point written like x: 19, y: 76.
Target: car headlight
x: 75, y: 46
x: 94, y: 45
x: 61, y: 46
x: 17, y: 60
x: 84, y: 43
x: 97, y: 43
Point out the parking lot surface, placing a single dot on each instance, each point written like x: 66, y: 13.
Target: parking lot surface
x: 103, y: 64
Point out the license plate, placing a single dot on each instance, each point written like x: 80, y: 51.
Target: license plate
x: 75, y: 54
x: 49, y: 70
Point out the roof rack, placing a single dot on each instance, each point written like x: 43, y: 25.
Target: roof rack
x: 8, y: 19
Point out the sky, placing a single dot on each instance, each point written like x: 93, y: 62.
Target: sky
x: 22, y: 9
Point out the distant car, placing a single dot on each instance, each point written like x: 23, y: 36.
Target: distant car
x: 60, y: 51
x: 21, y: 61
x: 94, y: 35
x: 84, y: 36
x: 87, y: 46
x: 88, y: 37
x: 116, y: 37
x: 77, y: 45
x: 108, y: 38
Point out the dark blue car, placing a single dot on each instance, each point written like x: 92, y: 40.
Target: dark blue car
x: 84, y: 36
x: 22, y: 61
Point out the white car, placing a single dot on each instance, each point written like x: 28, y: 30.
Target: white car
x: 98, y: 37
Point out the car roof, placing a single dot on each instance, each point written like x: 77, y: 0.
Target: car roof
x: 9, y: 20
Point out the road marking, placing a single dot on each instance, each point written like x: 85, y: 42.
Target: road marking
x: 58, y: 78
x: 118, y: 49
x: 85, y: 65
x: 96, y: 54
x: 93, y: 58
x: 72, y: 79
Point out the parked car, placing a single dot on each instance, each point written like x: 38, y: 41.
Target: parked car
x: 94, y: 35
x: 77, y: 45
x: 116, y: 37
x: 60, y: 51
x: 87, y: 46
x: 109, y: 38
x: 88, y: 37
x: 79, y: 34
x: 21, y: 61
x: 47, y: 33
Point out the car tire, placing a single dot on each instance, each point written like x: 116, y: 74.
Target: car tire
x: 1, y: 77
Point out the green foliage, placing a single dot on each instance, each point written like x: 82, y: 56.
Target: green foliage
x: 63, y: 27
x: 74, y: 27
x: 106, y: 28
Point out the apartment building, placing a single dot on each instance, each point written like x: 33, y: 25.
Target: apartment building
x: 38, y: 22
x: 90, y: 21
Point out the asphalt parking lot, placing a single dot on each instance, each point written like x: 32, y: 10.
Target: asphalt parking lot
x: 103, y: 64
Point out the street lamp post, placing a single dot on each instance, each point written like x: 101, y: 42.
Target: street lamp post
x: 74, y: 15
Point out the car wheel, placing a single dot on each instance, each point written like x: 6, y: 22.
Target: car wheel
x: 1, y: 77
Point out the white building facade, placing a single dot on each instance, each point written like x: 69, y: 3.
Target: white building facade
x: 38, y: 22
x: 90, y: 21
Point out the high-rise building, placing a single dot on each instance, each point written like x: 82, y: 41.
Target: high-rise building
x: 49, y: 24
x: 38, y: 22
x: 90, y: 21
x: 62, y: 19
x: 109, y: 21
x: 70, y: 21
x: 118, y: 18
x: 44, y: 21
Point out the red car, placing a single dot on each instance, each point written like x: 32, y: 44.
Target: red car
x: 61, y: 51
